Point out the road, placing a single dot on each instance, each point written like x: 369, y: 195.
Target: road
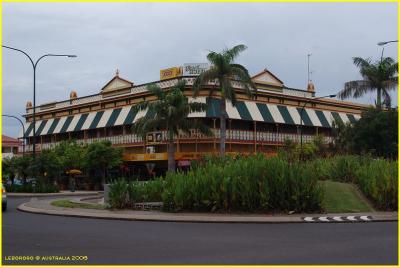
x: 129, y: 242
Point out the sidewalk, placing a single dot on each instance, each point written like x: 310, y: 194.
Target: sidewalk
x: 61, y: 193
x: 44, y: 207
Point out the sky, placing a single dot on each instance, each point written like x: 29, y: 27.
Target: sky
x: 139, y: 39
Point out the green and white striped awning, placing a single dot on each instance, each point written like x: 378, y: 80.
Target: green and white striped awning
x: 272, y: 113
x: 243, y: 110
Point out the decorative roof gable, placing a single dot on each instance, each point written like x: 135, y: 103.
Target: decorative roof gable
x: 266, y: 77
x: 116, y: 84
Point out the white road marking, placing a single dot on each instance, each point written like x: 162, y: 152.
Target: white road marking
x: 323, y: 219
x: 365, y: 218
x: 339, y: 219
x: 309, y: 219
x: 351, y: 218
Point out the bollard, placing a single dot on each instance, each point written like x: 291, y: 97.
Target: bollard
x: 106, y: 191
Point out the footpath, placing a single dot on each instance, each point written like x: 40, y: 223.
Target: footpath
x: 43, y: 206
x: 61, y: 194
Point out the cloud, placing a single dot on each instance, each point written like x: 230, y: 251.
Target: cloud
x: 141, y: 38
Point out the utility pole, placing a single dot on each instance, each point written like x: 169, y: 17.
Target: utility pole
x: 308, y: 67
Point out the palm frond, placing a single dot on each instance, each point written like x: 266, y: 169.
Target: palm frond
x: 390, y: 84
x: 181, y: 85
x: 141, y: 106
x: 354, y: 89
x: 186, y: 125
x: 243, y: 77
x: 229, y: 91
x: 197, y: 107
x: 156, y: 90
x: 387, y: 61
x: 203, y: 78
x: 144, y: 125
x: 213, y: 57
x: 360, y: 62
x: 231, y: 54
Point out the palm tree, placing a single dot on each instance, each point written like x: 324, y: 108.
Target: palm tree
x: 379, y: 76
x: 170, y: 112
x: 224, y: 71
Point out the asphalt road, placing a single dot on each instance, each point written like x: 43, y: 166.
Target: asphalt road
x: 129, y: 242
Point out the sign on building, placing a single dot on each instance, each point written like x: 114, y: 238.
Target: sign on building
x: 194, y: 69
x: 170, y: 73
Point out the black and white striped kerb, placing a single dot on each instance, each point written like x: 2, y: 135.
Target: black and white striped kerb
x: 338, y: 219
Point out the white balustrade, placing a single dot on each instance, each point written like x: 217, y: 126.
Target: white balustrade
x: 231, y: 135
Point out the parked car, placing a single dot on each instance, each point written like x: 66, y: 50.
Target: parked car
x: 4, y: 198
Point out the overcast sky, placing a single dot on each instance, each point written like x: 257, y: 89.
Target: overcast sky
x: 141, y: 38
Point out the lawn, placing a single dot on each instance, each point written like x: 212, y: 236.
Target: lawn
x: 342, y: 197
x: 69, y: 204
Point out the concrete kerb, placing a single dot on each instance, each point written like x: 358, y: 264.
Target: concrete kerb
x: 131, y: 215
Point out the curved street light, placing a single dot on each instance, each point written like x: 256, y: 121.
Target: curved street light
x: 383, y: 46
x: 34, y: 65
x: 23, y: 131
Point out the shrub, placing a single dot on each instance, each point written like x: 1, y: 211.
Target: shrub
x: 247, y: 184
x: 45, y: 188
x: 343, y: 168
x: 29, y: 188
x: 147, y: 191
x: 379, y: 181
x: 118, y: 194
x: 376, y: 178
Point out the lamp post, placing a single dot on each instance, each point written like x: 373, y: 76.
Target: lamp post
x: 34, y: 65
x: 383, y: 46
x: 301, y: 119
x: 23, y: 131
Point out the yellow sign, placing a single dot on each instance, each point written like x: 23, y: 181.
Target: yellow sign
x: 170, y: 73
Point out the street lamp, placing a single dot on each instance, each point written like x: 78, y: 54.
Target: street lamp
x: 301, y: 118
x: 23, y: 129
x: 383, y: 46
x: 34, y: 65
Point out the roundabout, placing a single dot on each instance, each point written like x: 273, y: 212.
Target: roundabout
x: 144, y: 242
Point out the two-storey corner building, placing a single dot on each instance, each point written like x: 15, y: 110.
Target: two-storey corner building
x: 259, y: 124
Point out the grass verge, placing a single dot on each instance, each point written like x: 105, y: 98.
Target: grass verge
x: 69, y: 204
x: 342, y: 198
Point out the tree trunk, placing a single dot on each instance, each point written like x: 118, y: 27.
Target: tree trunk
x: 378, y: 98
x: 171, y: 153
x: 222, y: 126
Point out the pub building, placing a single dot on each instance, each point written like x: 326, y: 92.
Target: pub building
x: 254, y: 125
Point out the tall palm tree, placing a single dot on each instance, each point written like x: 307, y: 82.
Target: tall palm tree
x: 379, y: 76
x: 224, y: 71
x: 169, y: 112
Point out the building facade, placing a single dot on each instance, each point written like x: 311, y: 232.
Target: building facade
x: 254, y: 125
x: 10, y: 146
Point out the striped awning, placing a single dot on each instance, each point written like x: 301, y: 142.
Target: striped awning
x: 243, y: 110
x: 273, y: 113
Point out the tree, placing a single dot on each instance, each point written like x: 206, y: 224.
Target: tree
x: 70, y: 155
x: 374, y: 133
x: 8, y: 170
x: 102, y: 156
x: 22, y: 166
x: 379, y: 76
x: 224, y: 71
x: 169, y: 112
x: 47, y: 166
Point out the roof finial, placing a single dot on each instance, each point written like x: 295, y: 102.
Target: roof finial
x: 117, y: 73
